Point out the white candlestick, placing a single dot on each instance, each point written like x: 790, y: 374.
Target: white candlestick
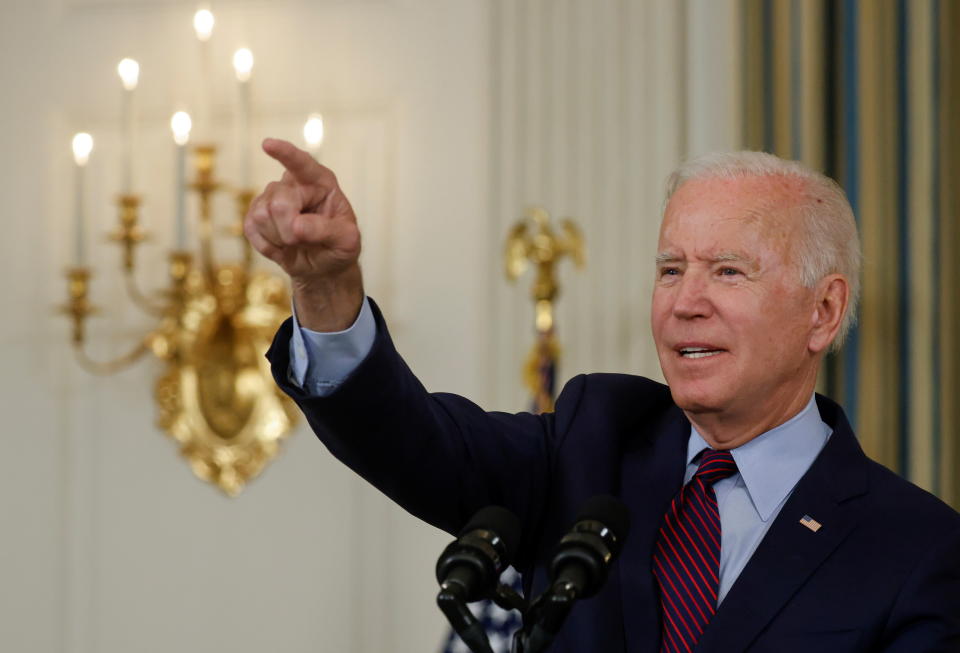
x: 203, y: 22
x: 82, y: 146
x: 127, y: 157
x: 79, y: 220
x: 203, y: 128
x: 129, y: 71
x: 242, y: 66
x: 243, y: 128
x: 181, y: 124
x: 181, y: 197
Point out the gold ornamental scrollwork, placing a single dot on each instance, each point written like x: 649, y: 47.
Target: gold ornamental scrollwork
x: 217, y: 397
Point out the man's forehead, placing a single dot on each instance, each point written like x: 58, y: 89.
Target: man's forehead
x: 713, y: 233
x: 674, y: 255
x: 762, y: 202
x: 757, y: 215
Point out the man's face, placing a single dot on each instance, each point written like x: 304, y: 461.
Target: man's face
x: 730, y: 318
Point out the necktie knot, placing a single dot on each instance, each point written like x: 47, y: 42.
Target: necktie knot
x: 715, y: 465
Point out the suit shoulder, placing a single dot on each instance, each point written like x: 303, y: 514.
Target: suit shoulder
x: 613, y: 394
x: 617, y: 387
x: 908, y: 503
x: 628, y: 385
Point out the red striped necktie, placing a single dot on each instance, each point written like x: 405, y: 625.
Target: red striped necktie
x: 687, y: 558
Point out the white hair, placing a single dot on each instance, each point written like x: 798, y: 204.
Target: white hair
x: 829, y: 243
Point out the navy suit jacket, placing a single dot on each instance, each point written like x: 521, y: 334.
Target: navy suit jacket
x: 882, y: 574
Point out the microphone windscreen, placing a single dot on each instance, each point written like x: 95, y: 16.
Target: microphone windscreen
x: 609, y: 511
x: 500, y: 521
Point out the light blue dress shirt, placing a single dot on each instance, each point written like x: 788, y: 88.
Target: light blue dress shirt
x: 319, y: 362
x: 768, y: 466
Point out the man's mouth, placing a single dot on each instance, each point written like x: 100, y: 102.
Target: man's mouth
x: 699, y: 352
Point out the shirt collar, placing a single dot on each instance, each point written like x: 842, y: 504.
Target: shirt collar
x: 772, y: 463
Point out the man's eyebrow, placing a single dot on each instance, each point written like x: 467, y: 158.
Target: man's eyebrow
x: 722, y: 257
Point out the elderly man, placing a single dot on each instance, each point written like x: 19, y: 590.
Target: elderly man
x: 758, y: 524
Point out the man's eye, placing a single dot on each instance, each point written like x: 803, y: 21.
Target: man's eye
x: 669, y: 272
x: 729, y: 271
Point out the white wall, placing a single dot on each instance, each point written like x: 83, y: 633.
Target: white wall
x: 595, y: 103
x: 445, y: 119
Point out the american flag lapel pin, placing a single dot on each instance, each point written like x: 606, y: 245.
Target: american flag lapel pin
x: 810, y: 523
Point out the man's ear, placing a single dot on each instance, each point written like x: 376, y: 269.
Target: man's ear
x: 831, y: 294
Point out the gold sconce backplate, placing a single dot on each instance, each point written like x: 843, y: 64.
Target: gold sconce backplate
x: 217, y: 397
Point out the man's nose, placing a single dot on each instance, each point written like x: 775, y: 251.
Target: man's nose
x: 693, y: 297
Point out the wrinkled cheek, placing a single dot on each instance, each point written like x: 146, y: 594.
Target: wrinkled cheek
x: 667, y: 366
x: 656, y: 322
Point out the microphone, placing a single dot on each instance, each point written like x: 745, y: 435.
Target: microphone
x: 584, y: 555
x: 471, y: 565
x: 577, y: 571
x: 469, y: 570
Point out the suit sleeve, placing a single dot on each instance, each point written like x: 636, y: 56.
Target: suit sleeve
x: 440, y: 456
x: 926, y: 615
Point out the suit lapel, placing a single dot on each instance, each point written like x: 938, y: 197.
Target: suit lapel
x: 790, y: 552
x: 652, y: 473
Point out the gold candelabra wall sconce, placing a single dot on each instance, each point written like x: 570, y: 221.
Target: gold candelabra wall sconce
x: 214, y: 320
x: 216, y: 396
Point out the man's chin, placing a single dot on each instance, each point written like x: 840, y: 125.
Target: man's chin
x: 697, y: 400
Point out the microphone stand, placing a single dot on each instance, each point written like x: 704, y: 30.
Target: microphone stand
x: 542, y: 621
x: 462, y: 620
x: 454, y: 607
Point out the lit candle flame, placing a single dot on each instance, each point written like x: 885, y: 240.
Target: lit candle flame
x: 82, y: 146
x: 313, y: 131
x: 203, y: 24
x: 129, y: 71
x: 181, y: 124
x: 243, y: 64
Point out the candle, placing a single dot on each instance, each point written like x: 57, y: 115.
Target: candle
x: 129, y: 71
x: 203, y: 26
x: 242, y: 65
x: 313, y: 134
x: 180, y: 124
x: 82, y: 146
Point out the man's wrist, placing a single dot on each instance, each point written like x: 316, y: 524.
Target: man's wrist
x: 329, y: 305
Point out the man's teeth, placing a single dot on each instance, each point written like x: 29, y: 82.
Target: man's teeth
x: 698, y: 352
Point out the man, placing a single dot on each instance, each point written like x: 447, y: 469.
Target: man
x: 757, y: 522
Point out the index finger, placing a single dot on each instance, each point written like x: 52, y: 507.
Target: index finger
x: 301, y: 165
